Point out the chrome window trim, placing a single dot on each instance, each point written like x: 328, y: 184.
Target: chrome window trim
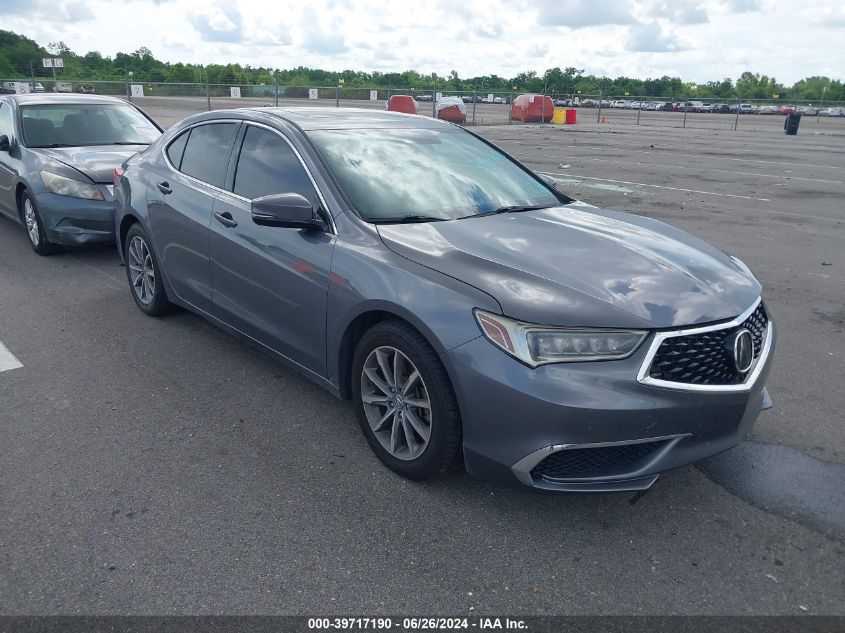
x: 745, y: 386
x: 332, y: 228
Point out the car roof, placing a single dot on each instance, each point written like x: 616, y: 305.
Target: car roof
x: 42, y: 98
x: 327, y: 118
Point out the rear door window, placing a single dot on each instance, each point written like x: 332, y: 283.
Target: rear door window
x: 207, y: 152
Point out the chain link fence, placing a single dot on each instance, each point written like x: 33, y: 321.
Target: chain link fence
x: 174, y: 101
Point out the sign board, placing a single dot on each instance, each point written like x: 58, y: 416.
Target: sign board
x: 776, y: 96
x: 22, y: 88
x: 312, y: 93
x: 373, y: 95
x: 53, y: 62
x: 490, y: 98
x: 235, y: 92
x: 438, y: 96
x: 137, y: 90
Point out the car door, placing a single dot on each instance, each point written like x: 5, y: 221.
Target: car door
x: 9, y: 165
x: 270, y: 283
x: 181, y: 193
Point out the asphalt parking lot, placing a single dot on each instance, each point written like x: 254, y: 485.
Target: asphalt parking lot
x: 159, y: 466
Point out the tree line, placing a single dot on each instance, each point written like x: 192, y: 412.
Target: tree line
x: 21, y: 57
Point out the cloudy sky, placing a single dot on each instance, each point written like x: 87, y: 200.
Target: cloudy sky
x: 697, y: 40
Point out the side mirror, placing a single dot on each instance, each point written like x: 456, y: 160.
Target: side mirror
x: 289, y: 210
x: 5, y: 146
x: 551, y: 182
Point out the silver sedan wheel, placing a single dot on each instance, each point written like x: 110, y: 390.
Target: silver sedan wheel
x: 141, y: 270
x: 31, y: 222
x: 396, y: 403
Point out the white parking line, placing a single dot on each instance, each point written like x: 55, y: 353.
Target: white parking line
x: 644, y: 184
x: 599, y: 148
x: 721, y: 171
x: 7, y: 359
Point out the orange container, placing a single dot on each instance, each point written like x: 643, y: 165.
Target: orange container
x: 570, y: 116
x: 452, y: 114
x: 532, y: 107
x: 402, y: 103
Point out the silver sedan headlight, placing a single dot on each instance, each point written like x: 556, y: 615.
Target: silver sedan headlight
x: 537, y: 345
x: 64, y: 186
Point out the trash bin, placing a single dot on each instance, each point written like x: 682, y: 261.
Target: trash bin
x: 790, y: 125
x: 559, y: 117
x: 570, y: 116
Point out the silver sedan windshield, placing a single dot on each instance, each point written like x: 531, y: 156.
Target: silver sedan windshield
x: 80, y: 125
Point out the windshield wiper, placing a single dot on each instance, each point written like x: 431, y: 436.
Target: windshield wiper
x: 51, y: 145
x: 127, y: 143
x: 513, y: 208
x: 407, y: 219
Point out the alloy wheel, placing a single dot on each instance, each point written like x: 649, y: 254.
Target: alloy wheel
x: 141, y: 270
x: 396, y: 403
x: 31, y: 222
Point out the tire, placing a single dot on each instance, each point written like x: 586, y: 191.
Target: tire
x: 34, y: 227
x: 442, y: 450
x: 144, y: 274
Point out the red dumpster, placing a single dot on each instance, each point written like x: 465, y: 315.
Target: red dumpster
x: 451, y: 109
x: 402, y: 103
x: 570, y: 116
x: 531, y: 107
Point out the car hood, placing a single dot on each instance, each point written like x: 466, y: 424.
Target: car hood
x: 97, y: 163
x: 578, y: 265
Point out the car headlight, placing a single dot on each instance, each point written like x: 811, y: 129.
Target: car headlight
x: 540, y: 345
x: 64, y: 186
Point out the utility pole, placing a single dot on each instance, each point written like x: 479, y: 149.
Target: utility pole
x: 207, y: 88
x: 126, y: 73
x: 598, y: 115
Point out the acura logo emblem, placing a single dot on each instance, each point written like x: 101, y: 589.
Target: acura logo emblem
x: 743, y: 350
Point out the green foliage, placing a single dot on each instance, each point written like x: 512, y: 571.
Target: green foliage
x: 19, y: 56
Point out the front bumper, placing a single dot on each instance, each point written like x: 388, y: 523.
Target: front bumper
x: 514, y: 417
x: 76, y: 222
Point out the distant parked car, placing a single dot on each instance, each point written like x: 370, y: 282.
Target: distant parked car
x: 745, y: 108
x: 86, y: 89
x: 668, y: 106
x: 786, y: 109
x: 704, y: 107
x: 36, y: 87
x: 721, y: 108
x: 832, y: 112
x: 807, y: 110
x: 57, y: 157
x: 63, y: 86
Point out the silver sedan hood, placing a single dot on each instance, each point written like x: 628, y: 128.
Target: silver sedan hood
x: 582, y: 266
x: 97, y: 163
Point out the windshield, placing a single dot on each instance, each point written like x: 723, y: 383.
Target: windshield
x: 426, y: 174
x: 77, y: 125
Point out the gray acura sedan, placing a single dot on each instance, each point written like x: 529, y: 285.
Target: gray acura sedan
x: 57, y: 158
x: 473, y: 313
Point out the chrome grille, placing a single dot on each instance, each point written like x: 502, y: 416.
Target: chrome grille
x: 704, y: 358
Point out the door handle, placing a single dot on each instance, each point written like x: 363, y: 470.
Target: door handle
x: 225, y: 219
x: 164, y: 187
